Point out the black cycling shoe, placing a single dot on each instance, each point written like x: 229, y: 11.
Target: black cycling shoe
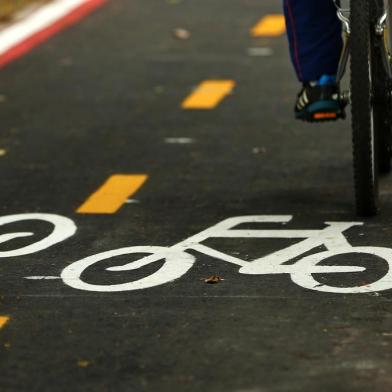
x: 320, y: 101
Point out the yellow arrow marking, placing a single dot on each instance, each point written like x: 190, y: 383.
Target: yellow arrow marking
x: 109, y: 198
x: 3, y: 321
x: 208, y: 94
x: 269, y: 26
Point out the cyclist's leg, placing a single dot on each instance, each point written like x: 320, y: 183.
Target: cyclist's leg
x: 315, y: 37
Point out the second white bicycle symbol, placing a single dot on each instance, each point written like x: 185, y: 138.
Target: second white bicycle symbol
x: 176, y: 260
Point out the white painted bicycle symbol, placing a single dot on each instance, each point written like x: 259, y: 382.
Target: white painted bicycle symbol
x: 176, y: 260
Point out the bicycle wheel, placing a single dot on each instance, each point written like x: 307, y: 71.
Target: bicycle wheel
x: 365, y: 142
x: 381, y: 96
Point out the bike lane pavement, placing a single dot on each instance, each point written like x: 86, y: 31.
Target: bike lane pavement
x: 103, y: 99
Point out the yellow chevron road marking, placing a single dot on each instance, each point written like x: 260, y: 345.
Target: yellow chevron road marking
x: 110, y: 197
x: 270, y: 26
x: 208, y: 94
x: 3, y: 321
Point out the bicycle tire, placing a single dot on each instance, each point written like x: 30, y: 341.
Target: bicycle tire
x: 364, y: 136
x: 381, y: 99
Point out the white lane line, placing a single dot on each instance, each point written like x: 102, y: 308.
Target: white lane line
x: 179, y: 140
x: 39, y: 20
x: 132, y: 201
x: 42, y: 277
x: 260, y: 52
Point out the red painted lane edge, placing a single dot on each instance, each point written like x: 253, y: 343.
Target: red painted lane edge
x: 43, y: 35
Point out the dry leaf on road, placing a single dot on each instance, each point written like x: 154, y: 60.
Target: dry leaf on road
x: 213, y: 279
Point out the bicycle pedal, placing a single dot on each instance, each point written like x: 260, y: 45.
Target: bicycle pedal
x: 320, y: 116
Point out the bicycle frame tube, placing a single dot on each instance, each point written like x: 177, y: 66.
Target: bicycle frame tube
x: 383, y: 30
x: 389, y: 26
x: 343, y: 12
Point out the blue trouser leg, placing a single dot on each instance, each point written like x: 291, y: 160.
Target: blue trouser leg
x: 315, y: 37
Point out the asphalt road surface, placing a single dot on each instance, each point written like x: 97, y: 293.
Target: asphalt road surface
x: 106, y: 98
